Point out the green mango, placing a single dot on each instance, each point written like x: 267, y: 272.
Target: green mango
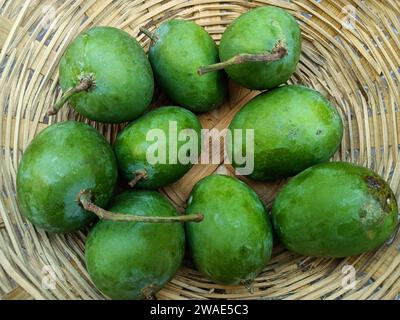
x: 264, y: 32
x: 113, y: 73
x: 177, y: 51
x: 60, y: 162
x: 294, y: 128
x: 335, y: 210
x: 234, y: 241
x: 132, y: 147
x: 134, y: 260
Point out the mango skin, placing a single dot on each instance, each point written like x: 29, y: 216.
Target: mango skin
x: 294, y: 128
x: 62, y: 160
x: 234, y: 241
x: 258, y: 31
x: 335, y: 210
x: 131, y: 146
x: 180, y: 49
x: 134, y: 260
x: 124, y: 78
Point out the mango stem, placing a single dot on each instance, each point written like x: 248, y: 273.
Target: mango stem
x: 86, y: 83
x: 148, y: 33
x: 85, y: 199
x: 139, y: 175
x: 276, y: 54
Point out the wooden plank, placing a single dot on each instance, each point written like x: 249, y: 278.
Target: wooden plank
x: 17, y: 294
x: 5, y: 28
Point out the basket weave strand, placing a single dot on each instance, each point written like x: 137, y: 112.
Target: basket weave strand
x: 353, y: 61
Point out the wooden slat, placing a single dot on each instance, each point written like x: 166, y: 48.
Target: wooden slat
x: 17, y: 294
x: 5, y: 28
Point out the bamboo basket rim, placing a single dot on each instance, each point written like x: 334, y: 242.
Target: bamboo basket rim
x: 350, y: 54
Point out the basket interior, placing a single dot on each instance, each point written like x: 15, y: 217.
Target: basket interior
x: 350, y: 54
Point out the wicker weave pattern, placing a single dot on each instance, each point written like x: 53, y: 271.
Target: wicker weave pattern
x: 357, y: 68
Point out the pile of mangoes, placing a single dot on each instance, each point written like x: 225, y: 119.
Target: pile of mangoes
x: 69, y: 172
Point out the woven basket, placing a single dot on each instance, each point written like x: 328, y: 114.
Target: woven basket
x: 350, y: 53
